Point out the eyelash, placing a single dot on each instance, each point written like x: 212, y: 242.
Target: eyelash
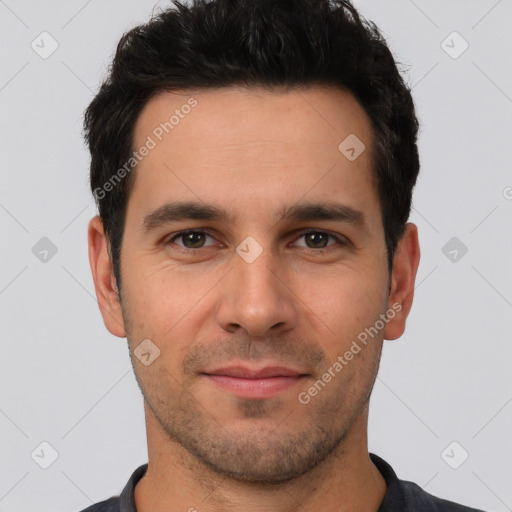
x: 341, y: 240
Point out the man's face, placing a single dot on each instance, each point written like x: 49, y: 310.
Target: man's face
x: 256, y: 289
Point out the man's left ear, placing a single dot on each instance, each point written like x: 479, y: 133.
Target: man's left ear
x: 403, y: 278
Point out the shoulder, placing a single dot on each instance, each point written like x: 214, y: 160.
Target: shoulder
x: 124, y: 501
x: 110, y: 505
x: 403, y: 495
x: 422, y: 500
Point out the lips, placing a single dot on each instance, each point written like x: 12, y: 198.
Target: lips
x: 242, y: 372
x: 255, y: 383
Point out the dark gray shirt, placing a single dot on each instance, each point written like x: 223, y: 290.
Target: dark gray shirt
x: 401, y: 495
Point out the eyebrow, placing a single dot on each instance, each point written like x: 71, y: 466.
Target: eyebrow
x: 182, y: 210
x: 325, y: 211
x: 190, y: 210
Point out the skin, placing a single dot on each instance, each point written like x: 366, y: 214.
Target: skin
x: 255, y: 152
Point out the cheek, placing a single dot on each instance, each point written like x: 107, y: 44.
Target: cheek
x: 159, y: 293
x: 168, y: 307
x: 346, y: 302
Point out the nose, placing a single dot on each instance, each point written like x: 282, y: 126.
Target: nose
x: 257, y: 298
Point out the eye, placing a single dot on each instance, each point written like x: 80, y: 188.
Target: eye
x: 313, y: 239
x: 190, y: 239
x: 319, y: 239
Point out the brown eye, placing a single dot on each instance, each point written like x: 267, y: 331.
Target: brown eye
x: 319, y: 240
x: 190, y: 239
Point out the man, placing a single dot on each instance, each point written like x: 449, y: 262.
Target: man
x: 253, y: 162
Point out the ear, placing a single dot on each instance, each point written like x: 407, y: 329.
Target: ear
x: 403, y: 277
x: 104, y: 279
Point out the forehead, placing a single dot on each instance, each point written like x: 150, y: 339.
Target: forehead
x: 253, y: 141
x: 317, y: 114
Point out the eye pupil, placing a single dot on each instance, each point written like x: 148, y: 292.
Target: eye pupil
x: 316, y: 237
x: 195, y: 238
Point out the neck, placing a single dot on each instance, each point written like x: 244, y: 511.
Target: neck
x: 176, y: 481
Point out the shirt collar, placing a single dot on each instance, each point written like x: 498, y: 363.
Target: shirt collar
x: 393, y: 495
x: 127, y: 496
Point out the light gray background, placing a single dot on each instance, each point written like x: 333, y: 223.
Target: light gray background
x: 65, y: 380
